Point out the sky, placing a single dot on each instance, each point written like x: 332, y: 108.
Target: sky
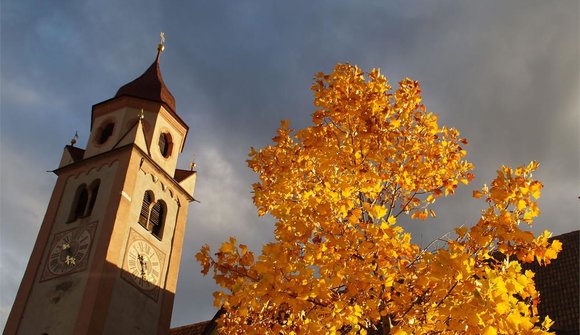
x: 505, y: 73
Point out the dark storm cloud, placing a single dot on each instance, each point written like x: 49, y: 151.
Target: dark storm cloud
x: 504, y: 73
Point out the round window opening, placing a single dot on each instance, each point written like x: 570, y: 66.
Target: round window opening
x: 105, y: 132
x: 165, y: 144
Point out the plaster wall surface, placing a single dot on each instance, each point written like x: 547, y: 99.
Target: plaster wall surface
x: 53, y: 303
x: 124, y: 113
x: 133, y: 310
x: 165, y: 123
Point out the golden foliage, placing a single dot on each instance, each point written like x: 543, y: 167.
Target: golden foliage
x: 340, y: 262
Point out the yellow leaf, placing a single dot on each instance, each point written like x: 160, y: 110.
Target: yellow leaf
x: 547, y: 323
x: 399, y: 331
x: 502, y: 307
x: 389, y: 222
x: 461, y: 231
x: 377, y: 212
x: 489, y: 330
x: 228, y: 247
x: 419, y: 215
x: 535, y: 189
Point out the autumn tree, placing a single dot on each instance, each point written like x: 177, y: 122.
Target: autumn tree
x: 342, y: 261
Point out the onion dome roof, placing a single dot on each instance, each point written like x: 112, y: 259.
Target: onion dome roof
x: 150, y: 86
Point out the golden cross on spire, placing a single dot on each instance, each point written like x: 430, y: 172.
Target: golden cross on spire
x: 161, y: 45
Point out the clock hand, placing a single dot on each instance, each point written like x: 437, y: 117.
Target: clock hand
x: 143, y: 266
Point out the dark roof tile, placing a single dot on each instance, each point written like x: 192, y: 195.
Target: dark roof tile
x: 76, y: 153
x: 194, y: 329
x: 182, y: 174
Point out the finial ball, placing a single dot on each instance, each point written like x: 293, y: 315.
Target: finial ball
x: 161, y: 45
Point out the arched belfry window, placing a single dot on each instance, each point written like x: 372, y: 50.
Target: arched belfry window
x: 152, y: 215
x: 84, y: 200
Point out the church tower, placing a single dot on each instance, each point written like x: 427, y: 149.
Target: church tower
x: 107, y: 255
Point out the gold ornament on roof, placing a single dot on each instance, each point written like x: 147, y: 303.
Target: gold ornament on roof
x: 161, y: 45
x: 192, y: 165
x: 74, y: 139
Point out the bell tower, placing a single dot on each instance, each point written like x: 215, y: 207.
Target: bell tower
x: 107, y: 256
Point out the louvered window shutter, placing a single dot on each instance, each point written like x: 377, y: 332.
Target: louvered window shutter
x: 156, y: 219
x: 144, y: 215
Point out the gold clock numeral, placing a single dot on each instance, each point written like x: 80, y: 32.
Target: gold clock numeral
x: 70, y: 260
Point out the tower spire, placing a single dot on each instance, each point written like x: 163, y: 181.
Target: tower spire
x: 150, y: 85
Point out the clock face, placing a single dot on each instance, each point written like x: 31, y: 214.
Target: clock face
x: 69, y: 251
x: 143, y: 264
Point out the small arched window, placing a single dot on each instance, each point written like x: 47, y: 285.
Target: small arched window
x: 79, y: 203
x: 84, y: 200
x: 165, y: 144
x: 93, y: 191
x: 106, y: 132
